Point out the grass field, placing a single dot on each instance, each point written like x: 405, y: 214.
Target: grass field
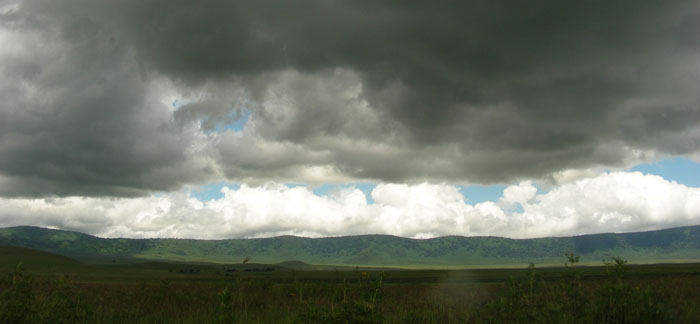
x: 451, y: 252
x: 55, y: 289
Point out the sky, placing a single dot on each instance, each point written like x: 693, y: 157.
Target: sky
x: 253, y: 118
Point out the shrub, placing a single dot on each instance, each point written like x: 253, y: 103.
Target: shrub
x: 620, y: 302
x: 226, y: 315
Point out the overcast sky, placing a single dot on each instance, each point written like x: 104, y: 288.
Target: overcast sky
x: 221, y: 119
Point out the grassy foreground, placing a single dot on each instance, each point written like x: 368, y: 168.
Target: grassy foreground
x: 179, y: 293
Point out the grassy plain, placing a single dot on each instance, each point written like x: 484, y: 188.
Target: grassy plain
x: 55, y: 289
x: 450, y: 252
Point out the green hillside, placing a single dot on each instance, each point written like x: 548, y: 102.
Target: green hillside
x: 37, y: 261
x: 670, y: 245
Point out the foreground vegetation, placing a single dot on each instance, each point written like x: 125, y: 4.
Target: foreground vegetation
x: 613, y: 293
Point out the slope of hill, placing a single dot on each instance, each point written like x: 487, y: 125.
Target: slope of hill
x: 37, y: 261
x: 670, y: 245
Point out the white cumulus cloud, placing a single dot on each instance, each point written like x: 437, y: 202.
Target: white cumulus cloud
x: 609, y: 202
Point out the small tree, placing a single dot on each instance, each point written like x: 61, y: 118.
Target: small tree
x: 574, y: 301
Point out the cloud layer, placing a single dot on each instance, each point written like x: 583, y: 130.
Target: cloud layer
x: 122, y: 98
x: 610, y: 202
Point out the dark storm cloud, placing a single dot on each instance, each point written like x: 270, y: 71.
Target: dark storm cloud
x: 410, y: 90
x: 77, y: 118
x: 563, y: 72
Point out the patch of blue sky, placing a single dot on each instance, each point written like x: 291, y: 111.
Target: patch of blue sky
x: 517, y: 208
x: 477, y: 193
x: 542, y: 191
x: 212, y: 191
x: 678, y: 169
x: 177, y: 103
x: 294, y: 185
x: 327, y: 189
x: 239, y: 118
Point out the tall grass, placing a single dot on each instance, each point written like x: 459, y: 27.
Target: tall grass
x: 573, y: 300
x: 366, y: 297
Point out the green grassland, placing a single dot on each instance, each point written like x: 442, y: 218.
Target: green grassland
x: 452, y: 252
x: 39, y: 261
x: 45, y: 264
x: 49, y: 288
x: 51, y: 276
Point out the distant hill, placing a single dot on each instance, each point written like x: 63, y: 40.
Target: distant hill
x: 37, y: 261
x: 671, y: 245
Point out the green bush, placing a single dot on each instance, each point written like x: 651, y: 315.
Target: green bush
x: 226, y: 314
x: 619, y: 302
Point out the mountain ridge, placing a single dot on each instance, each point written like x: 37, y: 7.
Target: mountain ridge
x: 666, y: 245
